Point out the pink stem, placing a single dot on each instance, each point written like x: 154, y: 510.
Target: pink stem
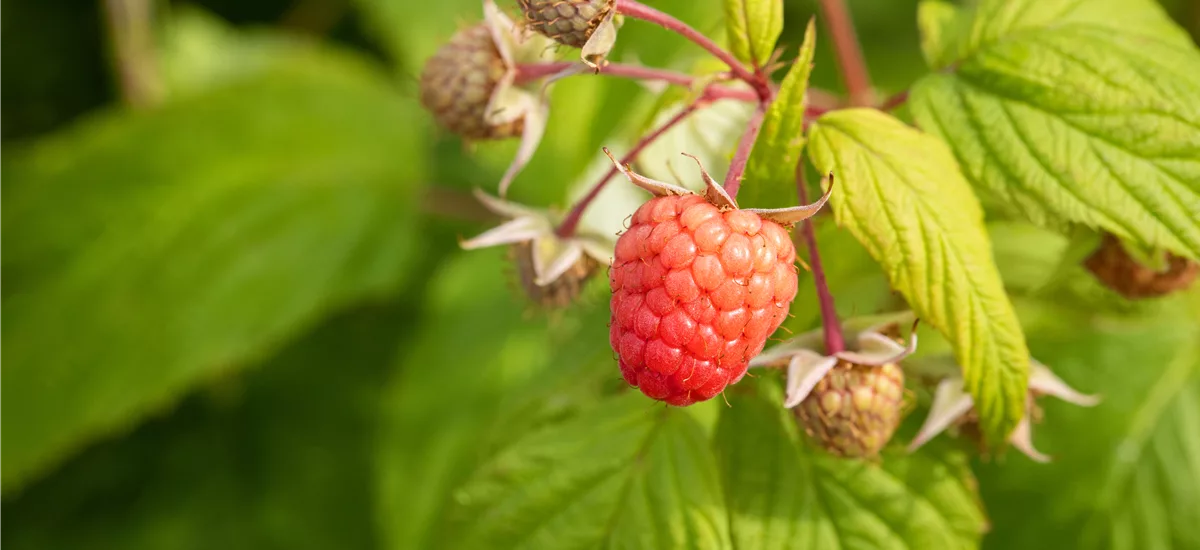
x: 641, y: 11
x: 532, y: 71
x: 820, y: 101
x: 571, y: 222
x: 737, y: 168
x: 849, y: 54
x: 834, y: 341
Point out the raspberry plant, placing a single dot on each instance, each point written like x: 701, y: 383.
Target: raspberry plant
x: 591, y: 273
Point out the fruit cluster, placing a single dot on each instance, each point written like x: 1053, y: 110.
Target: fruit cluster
x: 698, y: 284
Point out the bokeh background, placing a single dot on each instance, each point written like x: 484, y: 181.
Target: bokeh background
x: 235, y: 314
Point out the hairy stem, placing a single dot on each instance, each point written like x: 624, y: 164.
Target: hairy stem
x: 641, y: 11
x: 834, y: 341
x: 532, y: 71
x: 571, y: 222
x: 819, y: 101
x: 849, y: 54
x: 737, y: 168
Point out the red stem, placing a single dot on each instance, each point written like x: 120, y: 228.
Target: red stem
x: 571, y: 222
x: 641, y: 11
x: 894, y: 102
x: 532, y: 71
x: 834, y: 341
x: 737, y: 168
x: 849, y: 54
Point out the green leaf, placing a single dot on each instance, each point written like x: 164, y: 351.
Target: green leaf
x: 277, y: 457
x: 753, y: 27
x: 1077, y: 112
x: 626, y: 474
x: 782, y: 493
x: 439, y: 408
x: 770, y: 180
x: 159, y: 249
x: 940, y: 23
x: 900, y: 193
x: 1125, y: 472
x: 198, y: 51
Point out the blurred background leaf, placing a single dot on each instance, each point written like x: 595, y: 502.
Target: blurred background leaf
x: 276, y: 457
x: 155, y: 250
x: 1125, y: 472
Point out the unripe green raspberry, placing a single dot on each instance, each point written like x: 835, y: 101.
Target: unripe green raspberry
x: 458, y: 82
x: 568, y: 22
x: 559, y: 293
x: 854, y: 410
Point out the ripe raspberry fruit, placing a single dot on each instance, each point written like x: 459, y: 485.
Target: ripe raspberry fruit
x: 1113, y: 266
x: 568, y: 22
x: 457, y: 85
x: 698, y: 285
x: 854, y: 409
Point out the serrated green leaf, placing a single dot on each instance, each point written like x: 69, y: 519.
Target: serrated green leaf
x: 770, y: 180
x: 438, y: 409
x: 158, y: 249
x: 276, y: 457
x: 1077, y: 112
x: 782, y: 493
x: 753, y: 27
x: 900, y: 193
x: 625, y: 474
x: 1124, y: 473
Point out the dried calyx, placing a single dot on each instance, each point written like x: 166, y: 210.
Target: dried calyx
x: 587, y: 24
x: 849, y: 402
x: 552, y: 270
x: 1137, y: 274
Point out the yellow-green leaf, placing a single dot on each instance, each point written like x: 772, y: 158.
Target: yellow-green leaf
x: 753, y: 26
x: 769, y: 181
x: 900, y: 193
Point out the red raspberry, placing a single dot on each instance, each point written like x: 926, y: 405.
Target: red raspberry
x: 697, y: 290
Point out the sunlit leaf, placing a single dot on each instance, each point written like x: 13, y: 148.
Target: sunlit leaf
x: 900, y: 193
x: 1077, y: 112
x: 753, y: 26
x: 770, y: 180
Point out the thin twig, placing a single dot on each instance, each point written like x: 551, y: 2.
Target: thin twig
x: 641, y: 11
x: 737, y: 168
x: 130, y: 28
x: 819, y: 101
x: 571, y: 222
x: 532, y: 71
x: 834, y: 341
x: 849, y: 53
